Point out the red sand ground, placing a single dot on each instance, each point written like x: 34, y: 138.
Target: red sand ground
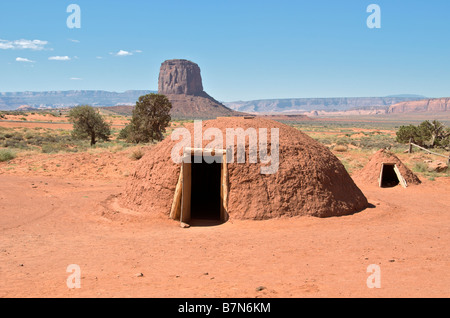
x: 49, y: 222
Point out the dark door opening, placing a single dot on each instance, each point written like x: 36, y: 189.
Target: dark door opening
x: 205, y: 190
x: 389, y: 177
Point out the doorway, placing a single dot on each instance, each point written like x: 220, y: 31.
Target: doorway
x: 390, y: 176
x: 205, y: 188
x: 202, y: 189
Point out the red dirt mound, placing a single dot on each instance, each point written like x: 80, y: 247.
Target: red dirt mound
x: 310, y: 179
x: 371, y: 172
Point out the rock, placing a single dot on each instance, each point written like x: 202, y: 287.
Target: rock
x: 437, y: 166
x: 139, y: 275
x: 181, y: 82
x: 180, y: 77
x: 260, y: 288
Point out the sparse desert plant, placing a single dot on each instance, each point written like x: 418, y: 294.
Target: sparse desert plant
x: 50, y: 148
x: 420, y: 167
x: 6, y: 155
x: 340, y: 148
x: 137, y: 154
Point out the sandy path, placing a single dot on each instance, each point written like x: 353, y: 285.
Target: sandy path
x: 47, y: 223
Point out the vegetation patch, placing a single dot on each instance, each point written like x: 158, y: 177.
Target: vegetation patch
x: 6, y: 155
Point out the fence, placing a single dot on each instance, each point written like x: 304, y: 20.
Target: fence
x: 411, y: 144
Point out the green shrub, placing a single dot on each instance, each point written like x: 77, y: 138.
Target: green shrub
x: 55, y: 148
x: 6, y: 155
x: 420, y: 167
x: 124, y: 133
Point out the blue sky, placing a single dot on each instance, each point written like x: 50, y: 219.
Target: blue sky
x: 246, y: 49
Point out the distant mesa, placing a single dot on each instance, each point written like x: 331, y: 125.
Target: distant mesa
x: 181, y: 81
x: 25, y: 108
x: 433, y: 105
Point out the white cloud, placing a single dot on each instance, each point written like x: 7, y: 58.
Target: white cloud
x: 59, y: 58
x: 138, y: 51
x: 22, y: 59
x: 99, y: 58
x: 75, y: 79
x: 74, y: 41
x: 35, y: 45
x: 123, y: 53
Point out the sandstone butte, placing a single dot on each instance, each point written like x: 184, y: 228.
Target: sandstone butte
x: 181, y: 81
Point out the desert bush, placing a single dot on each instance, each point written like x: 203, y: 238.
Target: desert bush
x: 124, y: 133
x: 137, y: 154
x: 340, y: 148
x: 6, y: 155
x: 53, y: 148
x: 429, y: 134
x: 420, y: 167
x: 29, y: 135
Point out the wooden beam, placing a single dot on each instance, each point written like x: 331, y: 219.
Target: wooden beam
x: 200, y: 151
x: 176, y: 204
x: 186, y: 193
x: 224, y: 188
x: 434, y: 153
x: 400, y: 177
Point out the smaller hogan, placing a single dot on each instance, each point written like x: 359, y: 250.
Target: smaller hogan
x: 386, y: 170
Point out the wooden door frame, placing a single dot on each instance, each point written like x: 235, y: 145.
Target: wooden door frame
x: 400, y: 178
x: 181, y: 205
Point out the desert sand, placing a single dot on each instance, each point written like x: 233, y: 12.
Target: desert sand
x: 54, y: 218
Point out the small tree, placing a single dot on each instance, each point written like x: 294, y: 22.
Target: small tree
x: 434, y: 132
x: 430, y: 134
x: 407, y: 133
x: 150, y: 118
x: 88, y: 123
